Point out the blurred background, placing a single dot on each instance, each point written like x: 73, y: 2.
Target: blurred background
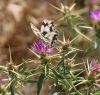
x: 15, y: 31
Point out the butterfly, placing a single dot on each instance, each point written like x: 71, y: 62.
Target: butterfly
x: 47, y: 33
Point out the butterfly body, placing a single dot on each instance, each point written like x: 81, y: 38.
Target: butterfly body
x: 47, y: 33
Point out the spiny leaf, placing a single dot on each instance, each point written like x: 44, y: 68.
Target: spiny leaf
x: 56, y: 93
x: 31, y: 81
x: 3, y: 69
x: 39, y: 84
x: 51, y: 87
x: 61, y: 61
x: 11, y: 87
x: 57, y: 74
x: 19, y: 93
x: 24, y: 67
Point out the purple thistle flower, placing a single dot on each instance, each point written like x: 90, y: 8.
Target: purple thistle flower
x: 40, y: 47
x: 95, y: 66
x: 94, y: 1
x: 95, y: 15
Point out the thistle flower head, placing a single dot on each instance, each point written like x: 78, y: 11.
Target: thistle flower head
x: 95, y: 15
x: 94, y: 1
x: 42, y: 48
x: 70, y: 62
x: 95, y: 66
x: 67, y: 44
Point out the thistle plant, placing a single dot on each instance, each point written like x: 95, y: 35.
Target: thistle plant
x: 57, y: 60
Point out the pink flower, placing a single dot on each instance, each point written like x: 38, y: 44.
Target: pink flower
x: 40, y: 47
x: 95, y: 66
x: 95, y: 15
x: 94, y: 1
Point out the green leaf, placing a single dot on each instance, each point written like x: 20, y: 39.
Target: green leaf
x: 80, y: 24
x: 61, y: 25
x: 51, y: 87
x: 56, y: 93
x: 64, y: 68
x: 61, y: 61
x: 97, y: 30
x: 31, y: 81
x: 97, y: 93
x: 73, y: 93
x: 56, y: 80
x: 80, y: 78
x: 75, y: 28
x: 32, y: 72
x: 77, y: 71
x: 11, y: 87
x: 39, y: 84
x: 88, y: 50
x: 57, y: 74
x: 19, y: 92
x: 75, y: 17
x: 62, y: 64
x: 2, y: 68
x: 61, y: 19
x: 24, y: 67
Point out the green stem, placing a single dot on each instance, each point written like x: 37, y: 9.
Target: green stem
x: 76, y: 30
x: 66, y: 89
x: 73, y: 87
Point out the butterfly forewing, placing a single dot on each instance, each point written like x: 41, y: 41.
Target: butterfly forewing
x: 35, y: 30
x: 47, y: 26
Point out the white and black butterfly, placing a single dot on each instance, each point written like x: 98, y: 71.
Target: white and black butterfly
x: 47, y: 32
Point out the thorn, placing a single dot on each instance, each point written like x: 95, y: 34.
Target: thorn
x: 56, y: 8
x: 35, y: 53
x: 64, y: 40
x: 74, y: 38
x: 85, y: 67
x: 10, y: 55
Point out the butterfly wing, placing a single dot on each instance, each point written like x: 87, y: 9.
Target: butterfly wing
x: 51, y: 38
x: 36, y: 31
x: 48, y: 32
x: 47, y: 26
